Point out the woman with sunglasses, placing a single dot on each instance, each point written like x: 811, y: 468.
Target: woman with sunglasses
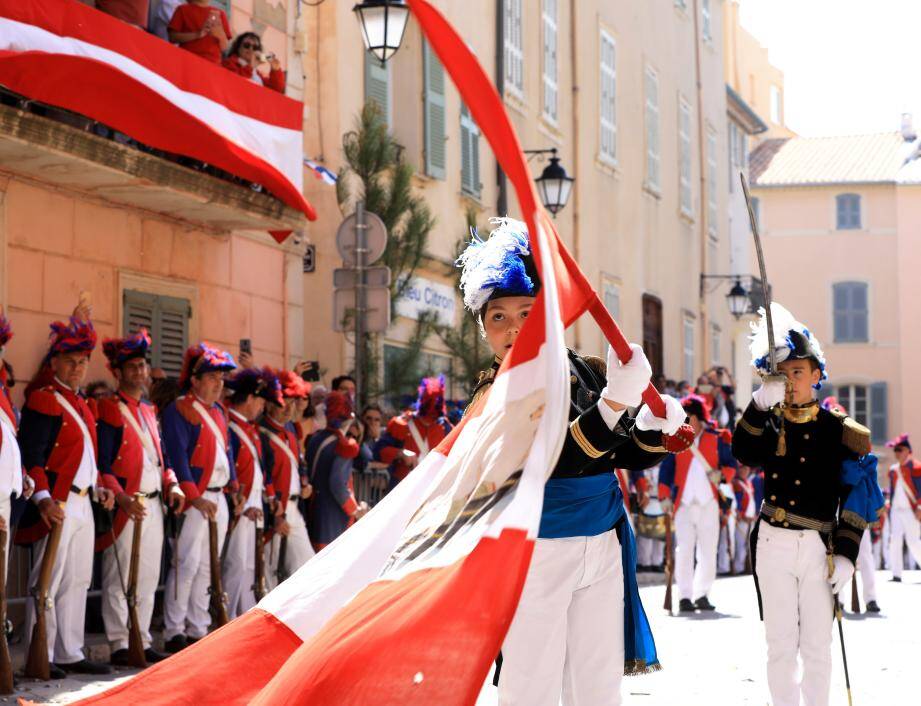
x: 245, y: 54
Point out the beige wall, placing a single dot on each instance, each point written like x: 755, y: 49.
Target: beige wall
x: 619, y: 232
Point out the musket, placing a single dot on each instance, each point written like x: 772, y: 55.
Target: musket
x: 259, y: 585
x: 37, y: 665
x: 218, y: 597
x: 855, y: 599
x: 6, y: 664
x: 281, y: 573
x: 768, y: 314
x: 669, y: 563
x: 136, y: 656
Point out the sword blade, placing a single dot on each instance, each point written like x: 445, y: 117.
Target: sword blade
x: 765, y: 288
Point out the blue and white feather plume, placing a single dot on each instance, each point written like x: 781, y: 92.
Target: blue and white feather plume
x: 792, y: 340
x: 496, y: 264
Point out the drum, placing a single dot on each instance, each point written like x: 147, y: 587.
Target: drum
x: 650, y: 523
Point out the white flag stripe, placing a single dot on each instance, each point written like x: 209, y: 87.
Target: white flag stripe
x: 280, y: 147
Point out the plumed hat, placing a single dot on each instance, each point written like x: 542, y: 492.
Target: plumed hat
x: 6, y: 331
x: 431, y: 399
x: 500, y: 266
x: 292, y: 385
x: 792, y: 341
x: 262, y: 383
x: 900, y: 440
x: 338, y: 408
x: 698, y: 406
x: 201, y: 359
x: 74, y: 336
x: 120, y: 350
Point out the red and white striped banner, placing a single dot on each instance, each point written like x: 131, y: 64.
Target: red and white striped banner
x: 69, y: 55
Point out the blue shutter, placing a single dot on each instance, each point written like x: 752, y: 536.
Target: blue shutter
x: 434, y: 108
x: 377, y: 85
x: 839, y: 308
x: 858, y: 312
x: 879, y: 413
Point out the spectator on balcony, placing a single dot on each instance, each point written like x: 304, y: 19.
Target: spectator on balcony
x: 201, y: 29
x: 246, y: 55
x: 134, y: 12
x: 161, y: 12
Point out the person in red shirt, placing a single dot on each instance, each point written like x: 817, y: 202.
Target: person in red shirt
x: 201, y: 29
x: 246, y: 54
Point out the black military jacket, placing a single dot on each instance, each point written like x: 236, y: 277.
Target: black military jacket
x: 806, y: 481
x: 590, y: 447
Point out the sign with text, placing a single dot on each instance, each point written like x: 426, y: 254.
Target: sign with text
x: 425, y: 296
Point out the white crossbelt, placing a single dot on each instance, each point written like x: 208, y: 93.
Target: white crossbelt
x: 421, y: 443
x: 208, y: 421
x: 257, y: 467
x: 145, y: 438
x: 283, y: 445
x: 87, y: 439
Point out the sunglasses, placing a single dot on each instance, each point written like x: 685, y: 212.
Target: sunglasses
x: 250, y: 45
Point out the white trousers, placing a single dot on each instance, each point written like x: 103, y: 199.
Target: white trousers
x: 792, y: 574
x: 70, y: 580
x: 114, y: 583
x: 649, y: 552
x: 185, y: 610
x: 866, y: 566
x: 299, y: 550
x: 567, y: 636
x: 240, y: 567
x: 905, y: 526
x: 697, y: 532
x: 743, y: 529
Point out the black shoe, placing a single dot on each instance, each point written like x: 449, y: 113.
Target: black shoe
x: 641, y: 568
x: 897, y: 579
x: 703, y: 604
x: 657, y: 569
x: 85, y: 666
x: 119, y: 658
x: 872, y: 607
x: 192, y: 640
x: 152, y: 656
x: 176, y: 643
x: 55, y: 672
x: 685, y: 605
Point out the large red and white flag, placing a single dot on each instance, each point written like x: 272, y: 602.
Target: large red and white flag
x: 410, y: 606
x: 69, y: 55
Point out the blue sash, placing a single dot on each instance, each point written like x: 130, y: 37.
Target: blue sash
x: 589, y: 506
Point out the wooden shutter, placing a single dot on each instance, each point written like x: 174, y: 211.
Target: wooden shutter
x: 652, y: 332
x: 167, y: 320
x: 377, y: 85
x: 879, y: 413
x: 470, y: 154
x: 434, y: 108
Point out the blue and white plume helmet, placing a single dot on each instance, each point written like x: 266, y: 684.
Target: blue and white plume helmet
x: 792, y: 341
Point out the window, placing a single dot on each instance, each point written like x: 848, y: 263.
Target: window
x: 687, y: 347
x: 612, y: 299
x: 851, y: 312
x: 514, y: 55
x: 706, y: 28
x: 684, y: 156
x: 377, y: 85
x: 711, y: 183
x: 470, y: 154
x: 549, y: 20
x: 776, y: 106
x: 652, y: 332
x: 867, y: 405
x: 847, y: 209
x: 608, y: 112
x: 652, y: 129
x: 715, y: 336
x: 167, y: 320
x: 738, y: 154
x: 434, y: 109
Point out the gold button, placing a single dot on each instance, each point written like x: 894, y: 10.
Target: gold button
x: 773, y: 497
x: 802, y: 460
x: 805, y: 436
x: 773, y: 475
x: 786, y: 524
x: 797, y: 481
x: 792, y: 503
x: 572, y: 379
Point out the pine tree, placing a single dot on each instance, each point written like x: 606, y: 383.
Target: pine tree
x: 376, y: 172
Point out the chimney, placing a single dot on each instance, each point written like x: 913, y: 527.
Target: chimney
x: 908, y: 130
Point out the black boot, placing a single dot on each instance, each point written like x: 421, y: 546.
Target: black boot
x: 703, y: 604
x: 85, y: 666
x: 176, y: 644
x: 152, y: 656
x: 119, y: 658
x: 872, y: 607
x: 685, y: 605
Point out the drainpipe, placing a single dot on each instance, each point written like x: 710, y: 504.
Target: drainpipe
x: 704, y: 196
x: 502, y: 189
x: 576, y: 241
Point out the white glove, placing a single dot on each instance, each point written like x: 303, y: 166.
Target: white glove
x: 626, y: 383
x: 674, y: 417
x: 772, y: 392
x: 843, y: 572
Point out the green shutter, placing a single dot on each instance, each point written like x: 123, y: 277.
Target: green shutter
x: 879, y: 413
x: 470, y: 154
x: 434, y: 108
x: 167, y: 320
x: 377, y: 85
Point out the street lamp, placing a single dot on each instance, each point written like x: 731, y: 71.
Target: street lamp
x: 382, y: 25
x: 554, y: 185
x: 738, y: 300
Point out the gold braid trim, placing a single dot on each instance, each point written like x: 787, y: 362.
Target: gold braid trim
x: 754, y: 431
x: 638, y: 666
x: 646, y: 447
x: 843, y: 532
x: 583, y: 442
x: 854, y: 519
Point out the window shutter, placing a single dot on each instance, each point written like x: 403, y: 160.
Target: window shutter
x: 470, y: 153
x: 139, y: 310
x: 167, y: 320
x: 434, y: 100
x: 879, y: 413
x: 377, y: 85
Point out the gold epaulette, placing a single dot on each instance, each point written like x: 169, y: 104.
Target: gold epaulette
x: 854, y: 435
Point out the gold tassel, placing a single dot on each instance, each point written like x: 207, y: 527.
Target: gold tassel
x: 782, y: 439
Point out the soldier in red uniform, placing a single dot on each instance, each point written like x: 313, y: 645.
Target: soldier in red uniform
x: 11, y: 473
x: 131, y: 457
x: 57, y: 437
x: 411, y: 435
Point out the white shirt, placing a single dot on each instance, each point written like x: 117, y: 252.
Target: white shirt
x: 899, y: 496
x: 697, y: 488
x: 151, y: 479
x: 220, y: 476
x: 10, y: 459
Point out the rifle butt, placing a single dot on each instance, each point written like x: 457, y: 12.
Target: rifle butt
x: 37, y: 665
x: 136, y: 656
x: 855, y: 598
